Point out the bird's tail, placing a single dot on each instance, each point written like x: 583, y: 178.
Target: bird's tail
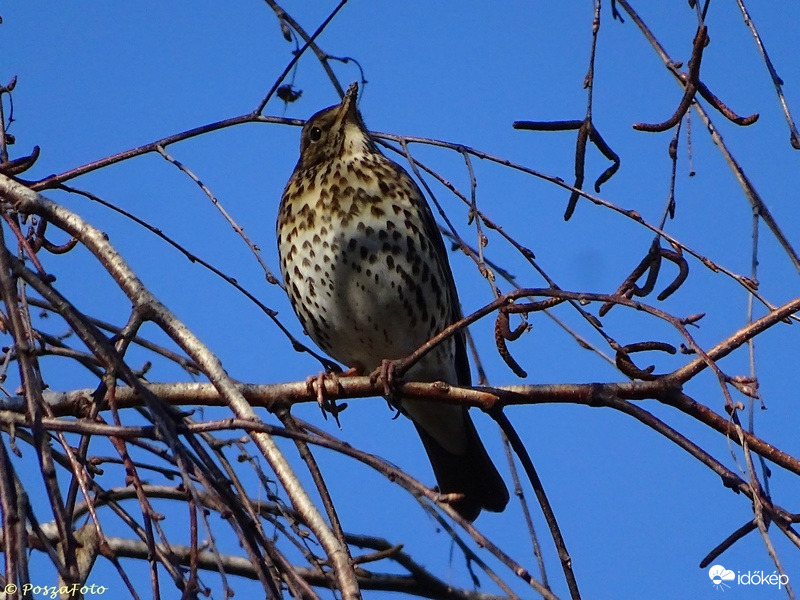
x: 471, y: 474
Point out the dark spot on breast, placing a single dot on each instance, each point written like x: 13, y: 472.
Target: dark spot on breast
x: 308, y: 214
x: 437, y: 290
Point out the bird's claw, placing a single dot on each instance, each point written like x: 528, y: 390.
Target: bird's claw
x: 319, y: 391
x: 386, y: 375
x: 315, y: 386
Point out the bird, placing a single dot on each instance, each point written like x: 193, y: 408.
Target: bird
x: 367, y: 273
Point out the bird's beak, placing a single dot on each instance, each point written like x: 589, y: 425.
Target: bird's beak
x: 348, y: 105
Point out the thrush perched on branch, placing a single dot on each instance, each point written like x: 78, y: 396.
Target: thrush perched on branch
x: 367, y: 274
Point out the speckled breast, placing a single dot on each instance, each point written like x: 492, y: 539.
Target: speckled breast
x: 359, y: 265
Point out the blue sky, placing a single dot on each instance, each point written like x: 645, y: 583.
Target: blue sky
x: 637, y: 513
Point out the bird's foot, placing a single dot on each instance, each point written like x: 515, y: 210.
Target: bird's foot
x: 315, y: 385
x: 385, y: 374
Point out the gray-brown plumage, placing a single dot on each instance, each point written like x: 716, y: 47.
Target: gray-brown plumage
x: 367, y: 274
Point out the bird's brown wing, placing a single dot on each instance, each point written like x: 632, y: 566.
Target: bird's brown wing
x: 471, y: 474
x: 433, y: 234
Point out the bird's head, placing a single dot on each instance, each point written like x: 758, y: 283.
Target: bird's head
x: 334, y: 132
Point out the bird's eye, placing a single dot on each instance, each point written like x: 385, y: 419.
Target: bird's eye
x: 315, y: 134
